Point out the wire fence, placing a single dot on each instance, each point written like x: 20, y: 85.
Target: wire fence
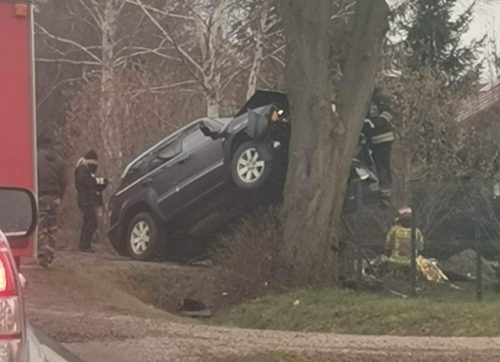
x: 459, y: 220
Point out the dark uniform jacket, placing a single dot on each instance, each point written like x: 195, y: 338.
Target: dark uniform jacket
x: 51, y: 180
x: 379, y: 129
x: 88, y: 186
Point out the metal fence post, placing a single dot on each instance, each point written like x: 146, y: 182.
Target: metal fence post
x: 479, y: 261
x: 413, y: 255
x: 359, y: 256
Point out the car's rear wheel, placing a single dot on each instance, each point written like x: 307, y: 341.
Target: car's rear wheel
x: 249, y: 169
x: 144, y: 237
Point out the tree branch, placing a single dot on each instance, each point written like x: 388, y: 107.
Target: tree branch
x: 69, y: 61
x: 157, y: 89
x: 70, y: 42
x: 168, y: 36
x: 160, y: 12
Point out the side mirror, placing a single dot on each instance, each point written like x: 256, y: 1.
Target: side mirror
x: 208, y: 131
x: 18, y: 212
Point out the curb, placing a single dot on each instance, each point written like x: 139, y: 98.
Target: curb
x: 54, y: 346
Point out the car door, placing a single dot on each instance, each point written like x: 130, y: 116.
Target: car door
x: 203, y: 170
x: 163, y: 176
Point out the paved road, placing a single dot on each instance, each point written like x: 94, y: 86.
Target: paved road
x: 89, y: 325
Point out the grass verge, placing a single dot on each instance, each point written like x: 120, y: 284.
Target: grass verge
x: 341, y: 311
x: 351, y: 357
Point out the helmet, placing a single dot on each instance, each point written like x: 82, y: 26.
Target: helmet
x: 405, y: 213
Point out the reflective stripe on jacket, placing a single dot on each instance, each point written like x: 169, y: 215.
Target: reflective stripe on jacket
x: 379, y: 130
x: 383, y: 138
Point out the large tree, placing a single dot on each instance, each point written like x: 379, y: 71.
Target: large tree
x: 324, y: 141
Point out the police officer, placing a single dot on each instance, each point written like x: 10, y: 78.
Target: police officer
x: 51, y: 186
x: 89, y: 196
x: 379, y: 133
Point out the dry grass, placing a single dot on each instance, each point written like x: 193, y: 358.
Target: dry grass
x: 250, y: 259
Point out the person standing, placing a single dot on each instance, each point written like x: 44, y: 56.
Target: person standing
x: 51, y: 186
x: 379, y: 133
x: 89, y: 197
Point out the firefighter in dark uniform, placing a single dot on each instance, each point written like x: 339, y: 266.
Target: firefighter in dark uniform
x: 89, y: 196
x: 51, y: 185
x: 276, y: 115
x: 379, y: 133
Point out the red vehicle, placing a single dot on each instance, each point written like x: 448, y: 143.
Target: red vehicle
x: 17, y: 110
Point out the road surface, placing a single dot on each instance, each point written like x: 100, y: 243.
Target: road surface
x: 84, y: 317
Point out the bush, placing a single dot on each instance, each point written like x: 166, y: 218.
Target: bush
x: 250, y: 257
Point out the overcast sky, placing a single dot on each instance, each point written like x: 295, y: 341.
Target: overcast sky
x: 486, y: 21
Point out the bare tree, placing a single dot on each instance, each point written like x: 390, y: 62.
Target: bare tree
x: 323, y: 142
x: 104, y: 37
x: 98, y: 58
x: 211, y: 41
x: 267, y: 33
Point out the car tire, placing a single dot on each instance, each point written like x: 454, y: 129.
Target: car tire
x: 249, y: 170
x: 144, y: 237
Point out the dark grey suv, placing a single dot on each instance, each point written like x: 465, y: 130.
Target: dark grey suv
x: 175, y: 182
x: 177, y: 175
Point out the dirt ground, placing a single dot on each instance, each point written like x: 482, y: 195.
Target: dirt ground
x: 105, y: 308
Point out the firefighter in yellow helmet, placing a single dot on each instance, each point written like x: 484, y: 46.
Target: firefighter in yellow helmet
x: 398, y: 240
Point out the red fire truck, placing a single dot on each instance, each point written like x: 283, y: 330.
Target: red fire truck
x: 17, y: 107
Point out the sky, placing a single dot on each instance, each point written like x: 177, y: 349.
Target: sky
x: 486, y: 18
x: 486, y: 21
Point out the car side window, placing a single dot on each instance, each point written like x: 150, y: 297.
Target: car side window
x: 136, y: 171
x: 193, y: 138
x: 164, y: 154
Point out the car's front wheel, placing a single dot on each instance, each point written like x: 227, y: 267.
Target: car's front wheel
x: 249, y: 169
x: 144, y: 237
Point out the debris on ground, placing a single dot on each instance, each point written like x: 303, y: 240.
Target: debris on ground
x: 398, y: 294
x: 207, y: 263
x: 195, y: 309
x: 462, y: 267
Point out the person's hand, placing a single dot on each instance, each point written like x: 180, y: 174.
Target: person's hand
x: 101, y: 181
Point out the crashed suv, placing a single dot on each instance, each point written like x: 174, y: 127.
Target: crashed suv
x: 176, y: 177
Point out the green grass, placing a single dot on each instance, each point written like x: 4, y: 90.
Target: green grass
x: 342, y: 311
x: 349, y: 357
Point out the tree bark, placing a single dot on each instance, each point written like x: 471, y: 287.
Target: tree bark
x: 111, y: 128
x: 323, y: 142
x: 212, y: 105
x: 258, y: 54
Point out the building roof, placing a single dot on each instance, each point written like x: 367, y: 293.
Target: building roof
x: 485, y: 99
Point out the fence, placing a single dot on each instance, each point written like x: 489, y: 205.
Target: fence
x: 458, y: 218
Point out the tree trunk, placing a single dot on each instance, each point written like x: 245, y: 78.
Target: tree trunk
x: 111, y: 128
x: 323, y: 142
x: 212, y: 98
x: 258, y: 54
